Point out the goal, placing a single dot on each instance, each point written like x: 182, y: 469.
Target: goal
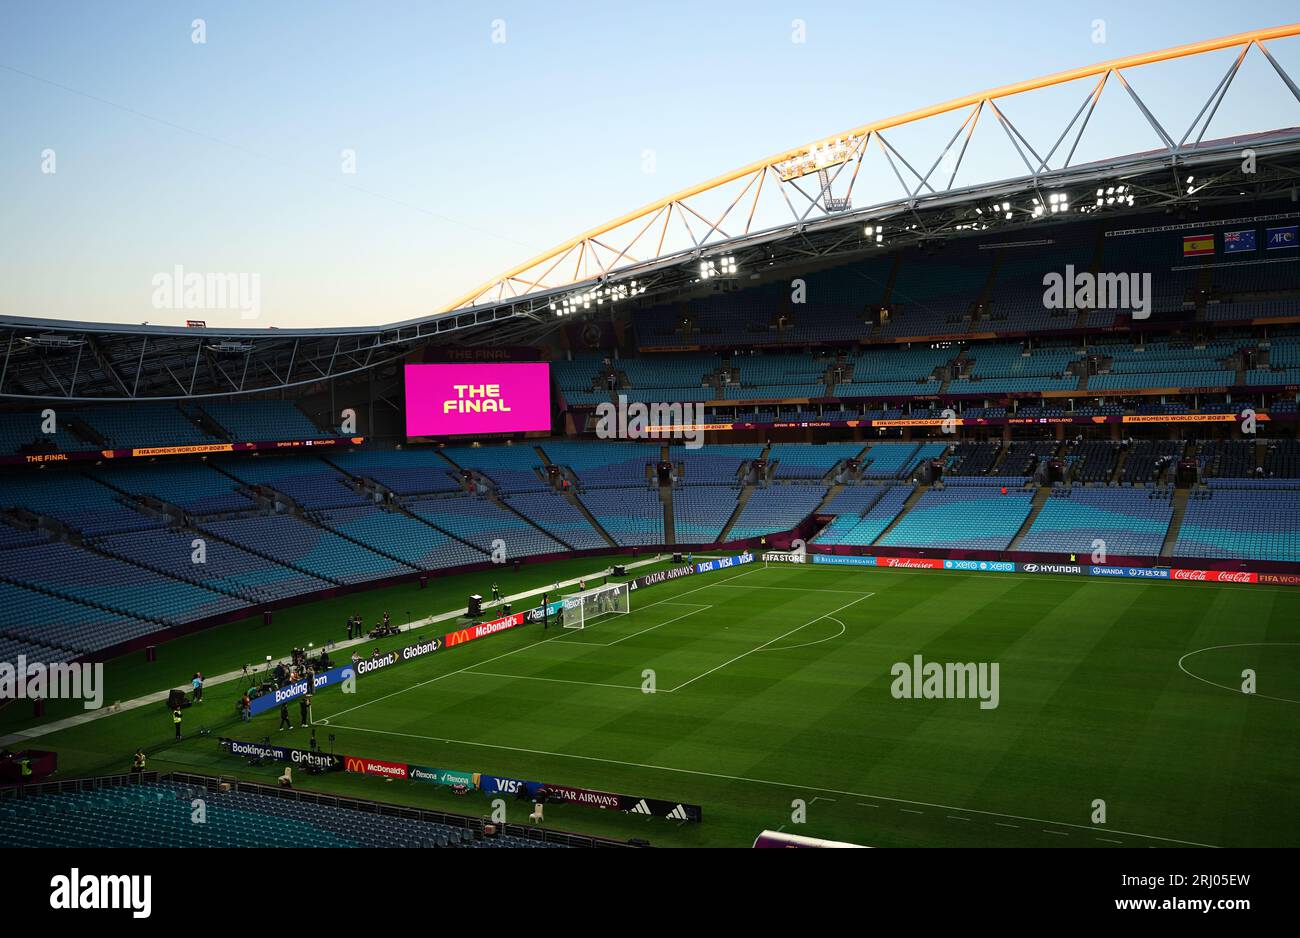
x: 581, y: 608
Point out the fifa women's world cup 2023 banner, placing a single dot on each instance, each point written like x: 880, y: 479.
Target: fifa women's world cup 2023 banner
x: 455, y: 399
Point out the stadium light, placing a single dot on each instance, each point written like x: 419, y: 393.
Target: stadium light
x: 51, y: 340
x: 1111, y: 196
x: 599, y: 295
x: 231, y: 347
x: 724, y: 266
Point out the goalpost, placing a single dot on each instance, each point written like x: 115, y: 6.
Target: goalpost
x: 581, y: 608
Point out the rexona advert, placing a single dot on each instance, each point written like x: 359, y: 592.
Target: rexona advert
x: 452, y: 400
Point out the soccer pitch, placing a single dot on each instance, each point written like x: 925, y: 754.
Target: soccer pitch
x: 773, y: 707
x: 766, y: 695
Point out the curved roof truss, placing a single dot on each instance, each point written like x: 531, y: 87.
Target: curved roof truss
x: 816, y: 182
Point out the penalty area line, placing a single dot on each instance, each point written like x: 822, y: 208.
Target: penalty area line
x: 771, y: 641
x: 515, y: 651
x: 697, y: 608
x: 553, y: 680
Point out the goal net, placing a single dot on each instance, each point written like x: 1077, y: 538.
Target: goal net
x: 581, y: 608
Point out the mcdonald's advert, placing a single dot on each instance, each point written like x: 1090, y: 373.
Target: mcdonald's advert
x: 379, y: 767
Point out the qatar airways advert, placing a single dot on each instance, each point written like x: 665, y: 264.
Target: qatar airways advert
x: 464, y: 400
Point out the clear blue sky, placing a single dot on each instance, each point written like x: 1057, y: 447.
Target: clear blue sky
x: 472, y: 155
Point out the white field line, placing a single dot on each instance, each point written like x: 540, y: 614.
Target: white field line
x: 552, y: 680
x: 770, y: 641
x: 802, y: 589
x: 698, y: 608
x: 157, y: 696
x: 468, y: 667
x: 473, y: 669
x: 556, y: 680
x: 763, y: 781
x: 817, y: 642
x: 1229, y: 687
x: 527, y: 594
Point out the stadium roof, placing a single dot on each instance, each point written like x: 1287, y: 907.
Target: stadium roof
x: 668, y: 247
x: 686, y: 223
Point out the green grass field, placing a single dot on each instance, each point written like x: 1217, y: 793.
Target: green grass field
x: 773, y: 686
x: 228, y: 647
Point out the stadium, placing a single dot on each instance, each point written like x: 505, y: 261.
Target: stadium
x: 846, y: 498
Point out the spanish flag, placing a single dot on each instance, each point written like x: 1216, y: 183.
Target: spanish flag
x: 1194, y: 245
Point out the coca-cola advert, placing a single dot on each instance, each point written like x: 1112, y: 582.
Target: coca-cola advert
x: 1214, y: 576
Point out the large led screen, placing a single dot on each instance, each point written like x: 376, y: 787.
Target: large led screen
x: 468, y: 400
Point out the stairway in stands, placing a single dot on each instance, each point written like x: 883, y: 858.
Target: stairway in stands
x: 907, y: 506
x: 570, y: 495
x: 1036, y: 506
x: 980, y: 306
x: 1094, y: 265
x: 572, y: 498
x: 827, y: 498
x: 510, y: 509
x: 1204, y: 282
x: 741, y: 501
x: 666, y: 497
x: 1119, y: 467
x: 401, y: 508
x: 264, y: 494
x: 1175, y: 523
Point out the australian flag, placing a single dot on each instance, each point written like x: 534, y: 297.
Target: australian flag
x: 1282, y: 237
x: 1236, y: 242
